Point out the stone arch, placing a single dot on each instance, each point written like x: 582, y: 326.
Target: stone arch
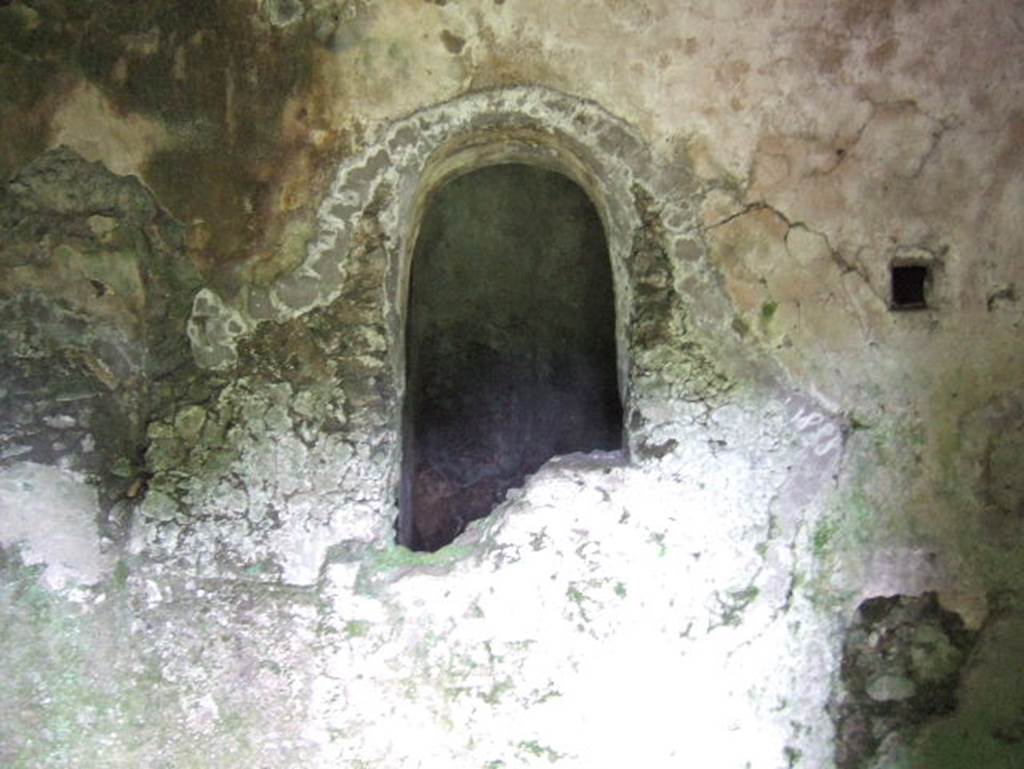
x: 367, y: 229
x: 510, y: 353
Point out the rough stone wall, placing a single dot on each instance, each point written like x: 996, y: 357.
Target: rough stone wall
x: 198, y: 474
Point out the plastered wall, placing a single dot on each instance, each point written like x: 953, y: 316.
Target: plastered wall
x: 205, y: 231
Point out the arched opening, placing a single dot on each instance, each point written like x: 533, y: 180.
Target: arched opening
x: 510, y: 344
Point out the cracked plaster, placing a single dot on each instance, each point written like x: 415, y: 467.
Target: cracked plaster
x: 813, y: 449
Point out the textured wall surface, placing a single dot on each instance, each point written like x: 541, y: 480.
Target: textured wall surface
x: 808, y: 553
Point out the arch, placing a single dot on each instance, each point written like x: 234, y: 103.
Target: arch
x: 505, y: 143
x: 510, y: 346
x: 366, y: 231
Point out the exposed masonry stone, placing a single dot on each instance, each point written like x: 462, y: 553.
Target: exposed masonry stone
x: 531, y: 124
x: 686, y: 605
x: 332, y: 329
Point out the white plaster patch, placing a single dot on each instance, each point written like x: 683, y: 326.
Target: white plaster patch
x: 630, y: 602
x: 213, y: 328
x: 51, y: 514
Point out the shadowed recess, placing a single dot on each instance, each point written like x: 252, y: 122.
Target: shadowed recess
x: 510, y: 344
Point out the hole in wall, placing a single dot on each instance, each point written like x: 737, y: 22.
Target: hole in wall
x: 909, y: 286
x: 510, y: 344
x: 901, y: 668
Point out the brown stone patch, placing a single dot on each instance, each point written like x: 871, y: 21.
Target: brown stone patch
x: 452, y: 42
x: 874, y: 13
x: 25, y: 117
x: 240, y: 100
x: 732, y: 72
x: 512, y: 64
x: 882, y: 54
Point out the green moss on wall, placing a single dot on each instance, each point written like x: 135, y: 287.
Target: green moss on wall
x: 63, y: 704
x: 399, y: 557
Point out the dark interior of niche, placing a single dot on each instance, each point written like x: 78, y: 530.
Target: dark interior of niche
x: 909, y: 286
x: 510, y: 345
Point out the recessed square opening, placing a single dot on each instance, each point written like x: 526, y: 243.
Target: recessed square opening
x: 909, y: 283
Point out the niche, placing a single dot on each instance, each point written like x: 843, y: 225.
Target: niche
x: 510, y: 344
x: 909, y: 286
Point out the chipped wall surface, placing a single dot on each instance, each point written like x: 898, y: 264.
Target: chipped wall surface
x: 808, y: 555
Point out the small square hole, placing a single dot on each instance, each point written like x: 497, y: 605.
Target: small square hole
x: 908, y: 286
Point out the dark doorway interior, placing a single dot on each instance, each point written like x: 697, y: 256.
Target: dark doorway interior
x: 908, y: 286
x: 510, y: 344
